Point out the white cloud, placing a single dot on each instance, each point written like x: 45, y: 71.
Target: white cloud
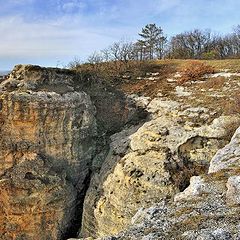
x: 62, y: 37
x: 73, y: 31
x: 73, y: 6
x: 62, y: 29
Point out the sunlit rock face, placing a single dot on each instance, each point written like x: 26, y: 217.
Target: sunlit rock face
x: 57, y: 124
x: 143, y: 162
x: 207, y: 209
x: 47, y: 144
x: 149, y: 163
x: 35, y: 202
x: 52, y: 124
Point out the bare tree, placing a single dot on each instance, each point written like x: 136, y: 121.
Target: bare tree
x: 153, y: 44
x: 95, y: 58
x: 192, y: 44
x: 121, y: 51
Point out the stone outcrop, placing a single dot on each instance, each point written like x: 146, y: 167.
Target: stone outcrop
x: 114, y: 109
x: 207, y: 209
x: 151, y: 162
x: 36, y: 116
x: 35, y: 203
x: 52, y: 124
x: 141, y: 164
x: 229, y: 157
x: 47, y: 144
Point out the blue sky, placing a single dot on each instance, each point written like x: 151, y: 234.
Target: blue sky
x: 53, y: 32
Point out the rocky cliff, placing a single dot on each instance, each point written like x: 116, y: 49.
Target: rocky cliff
x: 47, y: 143
x: 49, y: 137
x: 80, y: 156
x: 207, y: 209
x: 152, y: 162
x: 149, y: 163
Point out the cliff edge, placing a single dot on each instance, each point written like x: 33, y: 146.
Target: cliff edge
x: 137, y: 160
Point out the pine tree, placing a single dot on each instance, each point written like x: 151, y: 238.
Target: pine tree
x: 152, y: 40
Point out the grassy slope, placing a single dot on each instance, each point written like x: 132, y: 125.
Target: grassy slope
x: 220, y: 94
x: 233, y: 65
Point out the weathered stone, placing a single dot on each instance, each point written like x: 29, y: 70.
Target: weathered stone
x: 233, y: 190
x: 47, y: 145
x: 196, y: 188
x: 35, y: 203
x: 154, y: 163
x: 114, y: 108
x: 207, y: 209
x: 49, y: 114
x: 229, y: 157
x: 59, y: 126
x: 55, y: 133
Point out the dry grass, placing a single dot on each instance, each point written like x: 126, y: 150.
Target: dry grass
x: 218, y: 94
x: 232, y: 65
x: 114, y: 71
x: 233, y: 106
x: 213, y: 83
x: 118, y: 71
x: 195, y: 70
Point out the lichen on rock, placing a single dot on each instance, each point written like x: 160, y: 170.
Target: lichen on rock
x: 35, y: 202
x: 146, y: 168
x: 207, y: 209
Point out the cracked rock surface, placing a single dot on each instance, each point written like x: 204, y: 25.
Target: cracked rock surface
x: 207, y: 209
x: 47, y: 143
x: 147, y: 167
x: 52, y: 125
x: 155, y: 162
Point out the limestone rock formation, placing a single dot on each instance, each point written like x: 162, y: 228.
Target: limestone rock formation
x: 47, y: 144
x: 52, y: 125
x: 36, y: 116
x: 228, y: 157
x: 144, y: 161
x: 208, y: 209
x: 152, y: 162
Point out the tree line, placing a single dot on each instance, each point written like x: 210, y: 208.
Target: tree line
x: 198, y: 44
x: 153, y: 44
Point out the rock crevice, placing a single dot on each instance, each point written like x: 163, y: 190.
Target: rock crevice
x: 50, y: 133
x: 84, y: 156
x: 148, y: 164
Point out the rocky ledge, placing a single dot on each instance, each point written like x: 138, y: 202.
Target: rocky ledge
x: 151, y: 163
x: 207, y: 209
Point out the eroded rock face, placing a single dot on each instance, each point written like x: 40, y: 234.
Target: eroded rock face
x: 228, y: 157
x: 114, y: 109
x: 60, y: 126
x: 207, y: 209
x: 35, y: 202
x: 54, y: 133
x: 155, y: 161
x: 47, y: 144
